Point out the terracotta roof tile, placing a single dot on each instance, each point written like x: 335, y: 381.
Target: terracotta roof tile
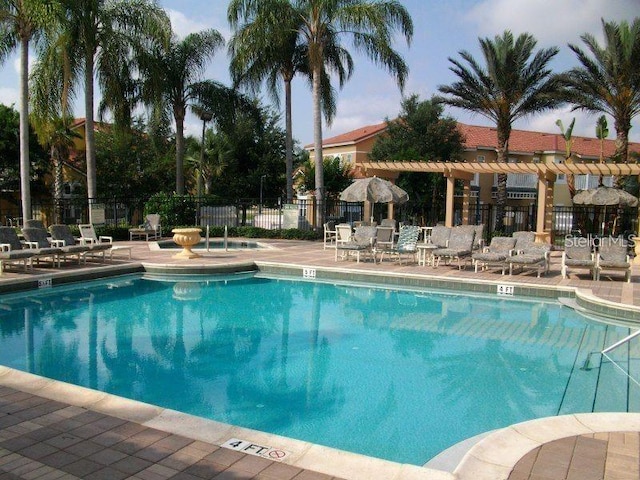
x: 353, y: 136
x: 526, y: 141
x: 477, y: 137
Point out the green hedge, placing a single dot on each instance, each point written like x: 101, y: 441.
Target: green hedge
x: 122, y: 232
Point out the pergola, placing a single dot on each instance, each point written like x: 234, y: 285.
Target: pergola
x: 545, y: 172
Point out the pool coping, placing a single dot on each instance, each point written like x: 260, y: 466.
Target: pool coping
x: 493, y: 457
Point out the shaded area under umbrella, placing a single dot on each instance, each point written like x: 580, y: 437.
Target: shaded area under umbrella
x: 374, y: 190
x: 605, y: 197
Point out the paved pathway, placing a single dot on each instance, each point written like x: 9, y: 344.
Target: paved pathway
x: 43, y: 439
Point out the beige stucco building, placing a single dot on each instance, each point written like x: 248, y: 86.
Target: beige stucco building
x: 538, y: 167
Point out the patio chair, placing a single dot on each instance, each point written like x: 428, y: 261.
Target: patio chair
x: 12, y: 251
x: 440, y: 236
x: 613, y: 255
x: 384, y: 237
x: 459, y: 246
x: 578, y: 255
x: 343, y: 233
x: 150, y: 229
x: 388, y: 222
x: 478, y: 240
x: 329, y: 234
x: 407, y: 243
x: 88, y: 236
x: 362, y: 241
x: 495, y: 254
x: 70, y: 245
x: 32, y: 223
x: 524, y: 240
x: 38, y: 240
x: 534, y: 257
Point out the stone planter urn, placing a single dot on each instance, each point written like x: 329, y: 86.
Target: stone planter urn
x: 186, y: 238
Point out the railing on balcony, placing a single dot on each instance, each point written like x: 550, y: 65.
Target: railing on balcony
x: 584, y: 182
x: 519, y: 181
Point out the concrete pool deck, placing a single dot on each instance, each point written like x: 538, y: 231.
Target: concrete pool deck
x: 574, y: 446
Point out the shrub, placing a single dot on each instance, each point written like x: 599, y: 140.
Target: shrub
x: 174, y: 210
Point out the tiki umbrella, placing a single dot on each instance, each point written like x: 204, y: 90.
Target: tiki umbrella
x: 604, y: 197
x: 374, y: 190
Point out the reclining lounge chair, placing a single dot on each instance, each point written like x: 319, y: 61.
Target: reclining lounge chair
x: 12, y: 251
x: 613, y: 255
x: 535, y: 257
x: 88, y: 236
x: 37, y: 239
x: 407, y: 243
x: 578, y: 255
x: 495, y: 254
x: 459, y: 247
x: 363, y: 241
x: 63, y: 238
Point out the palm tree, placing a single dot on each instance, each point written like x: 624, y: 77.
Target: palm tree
x: 86, y: 32
x: 57, y: 135
x: 371, y: 25
x: 510, y: 86
x: 170, y: 80
x: 20, y: 21
x: 267, y: 47
x: 609, y: 80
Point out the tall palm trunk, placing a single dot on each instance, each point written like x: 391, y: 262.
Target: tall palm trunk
x: 317, y: 151
x: 89, y: 131
x: 501, y: 192
x: 57, y: 184
x: 179, y: 114
x: 288, y: 140
x: 622, y: 148
x: 25, y: 174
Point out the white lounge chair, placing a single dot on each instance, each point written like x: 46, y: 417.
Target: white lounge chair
x: 88, y: 236
x: 150, y: 229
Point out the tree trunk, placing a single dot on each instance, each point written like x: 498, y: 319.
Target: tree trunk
x: 25, y: 174
x: 622, y: 142
x: 89, y: 132
x: 57, y: 185
x: 288, y: 141
x: 503, y: 132
x: 317, y: 151
x: 179, y: 116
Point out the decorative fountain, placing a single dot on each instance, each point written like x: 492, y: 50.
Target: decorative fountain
x: 187, y: 238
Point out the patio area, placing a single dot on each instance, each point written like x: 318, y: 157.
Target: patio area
x: 49, y: 432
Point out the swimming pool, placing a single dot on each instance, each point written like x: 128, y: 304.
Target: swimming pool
x: 216, y: 245
x: 395, y: 374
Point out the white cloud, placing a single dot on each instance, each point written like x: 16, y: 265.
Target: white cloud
x: 9, y: 96
x: 585, y: 125
x: 551, y: 22
x: 183, y: 25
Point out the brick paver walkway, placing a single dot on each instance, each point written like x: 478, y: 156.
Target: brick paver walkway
x: 42, y: 439
x: 600, y: 456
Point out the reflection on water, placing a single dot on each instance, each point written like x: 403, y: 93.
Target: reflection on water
x: 357, y: 368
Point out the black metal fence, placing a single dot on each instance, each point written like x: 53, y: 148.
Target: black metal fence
x: 274, y: 214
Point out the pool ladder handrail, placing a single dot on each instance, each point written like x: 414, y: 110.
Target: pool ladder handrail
x: 628, y: 338
x: 226, y: 238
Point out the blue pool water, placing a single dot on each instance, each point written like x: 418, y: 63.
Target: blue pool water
x: 400, y: 375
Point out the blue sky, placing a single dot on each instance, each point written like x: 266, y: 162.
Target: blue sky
x: 441, y: 29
